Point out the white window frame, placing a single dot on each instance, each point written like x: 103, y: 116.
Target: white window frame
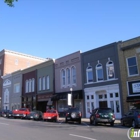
x: 30, y: 85
x: 132, y: 66
x: 63, y: 77
x: 89, y: 69
x: 43, y: 82
x: 33, y: 84
x: 73, y: 75
x: 107, y: 69
x: 68, y: 76
x: 39, y: 80
x: 47, y: 82
x: 27, y: 86
x: 99, y: 67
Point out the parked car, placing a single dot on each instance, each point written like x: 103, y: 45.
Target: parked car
x: 102, y: 115
x: 131, y: 118
x: 51, y: 115
x: 73, y: 114
x: 35, y: 115
x: 21, y: 113
x: 6, y: 113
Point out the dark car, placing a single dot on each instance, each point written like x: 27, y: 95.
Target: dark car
x: 131, y: 118
x: 102, y: 115
x: 73, y: 114
x: 6, y: 113
x: 35, y: 115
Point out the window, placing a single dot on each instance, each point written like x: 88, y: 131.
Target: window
x: 30, y: 85
x: 132, y: 66
x: 111, y: 95
x: 39, y: 83
x: 44, y: 83
x: 27, y: 86
x: 89, y: 74
x: 112, y: 105
x: 87, y: 97
x: 110, y: 70
x: 33, y: 85
x: 48, y: 82
x: 116, y: 95
x: 17, y: 88
x: 99, y: 72
x: 117, y: 107
x: 92, y: 96
x: 68, y: 75
x: 100, y: 96
x: 73, y: 71
x: 63, y: 77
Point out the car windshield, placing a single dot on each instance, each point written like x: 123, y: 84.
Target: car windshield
x: 105, y: 111
x: 22, y: 109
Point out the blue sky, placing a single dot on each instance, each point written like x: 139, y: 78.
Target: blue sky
x: 55, y: 28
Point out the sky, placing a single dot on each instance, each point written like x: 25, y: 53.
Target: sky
x: 56, y: 28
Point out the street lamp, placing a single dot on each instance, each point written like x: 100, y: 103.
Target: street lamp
x: 71, y: 89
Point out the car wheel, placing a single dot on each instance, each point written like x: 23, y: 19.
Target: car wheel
x: 79, y: 121
x: 91, y: 119
x: 112, y: 123
x: 94, y: 122
x: 66, y: 120
x: 122, y: 123
x: 134, y: 124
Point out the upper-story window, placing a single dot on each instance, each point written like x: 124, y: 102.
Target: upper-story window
x: 99, y: 72
x: 73, y: 75
x: 30, y: 85
x: 68, y: 76
x: 39, y: 83
x: 63, y: 76
x: 132, y: 66
x: 47, y: 82
x: 110, y: 70
x: 27, y: 86
x: 17, y: 88
x: 33, y: 85
x: 89, y: 73
x: 44, y: 82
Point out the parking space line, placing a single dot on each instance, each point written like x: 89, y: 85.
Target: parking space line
x: 82, y: 137
x: 4, y: 123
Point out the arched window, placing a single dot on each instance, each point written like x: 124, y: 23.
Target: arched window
x: 63, y: 77
x: 27, y: 86
x: 44, y: 82
x: 68, y: 76
x: 99, y: 72
x: 110, y: 70
x: 73, y: 75
x: 30, y: 85
x: 39, y: 83
x: 48, y: 82
x: 33, y: 85
x: 89, y: 73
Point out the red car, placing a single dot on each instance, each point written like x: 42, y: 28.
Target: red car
x: 51, y: 115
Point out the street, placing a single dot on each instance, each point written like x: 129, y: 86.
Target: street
x: 17, y: 129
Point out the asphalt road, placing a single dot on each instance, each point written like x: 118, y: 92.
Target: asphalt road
x: 17, y: 129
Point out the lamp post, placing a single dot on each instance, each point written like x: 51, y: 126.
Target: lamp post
x: 71, y: 89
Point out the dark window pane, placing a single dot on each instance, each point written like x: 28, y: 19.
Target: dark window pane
x: 131, y: 61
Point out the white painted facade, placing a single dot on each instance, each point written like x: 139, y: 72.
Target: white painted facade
x: 109, y: 94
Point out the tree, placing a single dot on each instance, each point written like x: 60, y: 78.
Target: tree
x: 10, y: 2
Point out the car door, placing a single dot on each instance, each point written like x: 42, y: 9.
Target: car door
x: 130, y: 117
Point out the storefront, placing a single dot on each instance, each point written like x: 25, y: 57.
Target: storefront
x: 62, y: 102
x: 103, y: 96
x: 133, y: 97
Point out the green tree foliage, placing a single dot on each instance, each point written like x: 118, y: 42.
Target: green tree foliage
x: 10, y: 2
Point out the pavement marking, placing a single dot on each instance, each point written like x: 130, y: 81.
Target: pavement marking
x: 82, y: 137
x: 4, y: 123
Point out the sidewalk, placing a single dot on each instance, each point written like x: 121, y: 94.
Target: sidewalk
x: 117, y: 121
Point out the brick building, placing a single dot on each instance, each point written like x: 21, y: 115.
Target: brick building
x: 11, y: 61
x: 129, y: 58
